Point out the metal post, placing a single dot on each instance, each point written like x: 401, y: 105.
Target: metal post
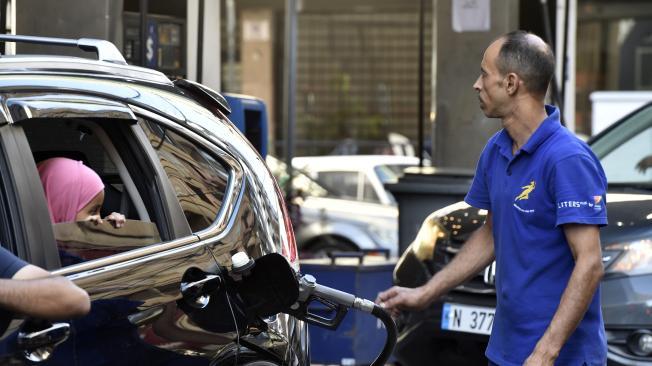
x: 230, y: 44
x: 420, y: 78
x: 560, y: 42
x: 200, y: 42
x: 555, y: 88
x: 143, y: 31
x: 569, y: 88
x: 433, y: 82
x: 289, y: 87
x: 3, y: 21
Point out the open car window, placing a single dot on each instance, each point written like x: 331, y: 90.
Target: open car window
x: 100, y: 145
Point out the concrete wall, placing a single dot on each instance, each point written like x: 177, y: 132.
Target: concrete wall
x: 460, y: 129
x: 257, y: 58
x: 68, y: 19
x: 211, y: 63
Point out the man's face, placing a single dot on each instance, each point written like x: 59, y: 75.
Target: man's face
x: 490, y: 85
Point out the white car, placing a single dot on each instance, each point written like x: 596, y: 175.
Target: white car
x: 357, y: 177
x: 344, y: 203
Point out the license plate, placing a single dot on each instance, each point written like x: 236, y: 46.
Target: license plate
x: 469, y: 319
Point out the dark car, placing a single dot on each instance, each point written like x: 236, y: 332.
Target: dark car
x: 455, y: 330
x: 194, y: 193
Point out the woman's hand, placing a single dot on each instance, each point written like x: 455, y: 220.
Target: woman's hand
x: 116, y: 219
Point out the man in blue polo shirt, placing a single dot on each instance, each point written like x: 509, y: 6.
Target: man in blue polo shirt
x: 544, y: 191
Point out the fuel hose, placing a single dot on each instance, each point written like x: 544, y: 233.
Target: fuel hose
x: 390, y: 342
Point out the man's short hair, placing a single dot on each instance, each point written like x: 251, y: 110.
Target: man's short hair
x: 533, y: 63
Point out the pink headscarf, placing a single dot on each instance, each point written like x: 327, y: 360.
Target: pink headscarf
x: 69, y: 185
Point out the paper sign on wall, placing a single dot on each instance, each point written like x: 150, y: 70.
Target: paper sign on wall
x: 471, y: 15
x: 255, y: 30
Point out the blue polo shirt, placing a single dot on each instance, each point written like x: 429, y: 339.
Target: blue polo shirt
x: 552, y: 180
x: 9, y: 264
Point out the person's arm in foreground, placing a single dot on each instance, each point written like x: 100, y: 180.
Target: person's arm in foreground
x: 35, y: 292
x: 475, y: 255
x: 584, y: 242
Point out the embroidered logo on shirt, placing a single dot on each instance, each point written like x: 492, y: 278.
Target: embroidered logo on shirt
x: 596, y: 203
x: 524, y: 195
x: 526, y: 192
x: 573, y: 204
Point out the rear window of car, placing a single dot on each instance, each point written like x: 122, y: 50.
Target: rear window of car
x: 389, y: 173
x: 346, y: 183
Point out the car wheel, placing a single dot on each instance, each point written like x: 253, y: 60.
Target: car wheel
x: 322, y: 246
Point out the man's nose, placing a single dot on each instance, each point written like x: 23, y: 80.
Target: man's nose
x: 476, y: 85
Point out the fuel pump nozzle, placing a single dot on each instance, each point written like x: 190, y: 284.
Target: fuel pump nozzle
x: 334, y: 300
x: 339, y: 302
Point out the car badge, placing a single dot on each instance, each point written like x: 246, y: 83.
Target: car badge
x: 490, y: 274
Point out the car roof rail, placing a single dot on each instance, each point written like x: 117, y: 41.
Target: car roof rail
x: 106, y: 51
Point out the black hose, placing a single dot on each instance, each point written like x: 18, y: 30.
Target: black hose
x: 390, y: 342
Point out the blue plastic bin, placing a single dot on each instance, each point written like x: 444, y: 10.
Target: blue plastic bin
x: 360, y: 337
x: 249, y: 115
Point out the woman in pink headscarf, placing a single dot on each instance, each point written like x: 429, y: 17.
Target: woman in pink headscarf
x: 74, y: 192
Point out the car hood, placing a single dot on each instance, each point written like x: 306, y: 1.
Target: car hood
x: 630, y: 218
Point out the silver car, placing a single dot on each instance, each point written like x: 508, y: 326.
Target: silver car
x: 344, y: 206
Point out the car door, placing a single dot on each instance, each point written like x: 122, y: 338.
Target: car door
x: 139, y: 314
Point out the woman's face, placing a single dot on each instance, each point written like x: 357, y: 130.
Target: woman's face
x: 91, y: 212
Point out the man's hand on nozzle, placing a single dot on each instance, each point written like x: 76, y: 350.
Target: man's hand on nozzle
x: 402, y: 298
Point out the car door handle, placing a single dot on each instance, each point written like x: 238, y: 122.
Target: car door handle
x: 145, y: 316
x: 38, y: 346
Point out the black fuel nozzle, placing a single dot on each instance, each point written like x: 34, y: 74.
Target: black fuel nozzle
x: 271, y: 286
x: 334, y: 301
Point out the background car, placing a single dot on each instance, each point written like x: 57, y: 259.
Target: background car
x: 327, y: 221
x: 439, y: 334
x: 357, y: 177
x: 193, y: 190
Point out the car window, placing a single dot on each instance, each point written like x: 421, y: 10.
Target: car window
x: 368, y: 191
x: 346, y: 183
x: 389, y: 173
x: 199, y: 180
x: 91, y: 143
x: 301, y: 182
x: 626, y: 151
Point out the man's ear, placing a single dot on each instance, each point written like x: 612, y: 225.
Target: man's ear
x: 512, y: 83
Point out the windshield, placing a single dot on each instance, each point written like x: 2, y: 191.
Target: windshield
x: 390, y: 173
x: 626, y: 151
